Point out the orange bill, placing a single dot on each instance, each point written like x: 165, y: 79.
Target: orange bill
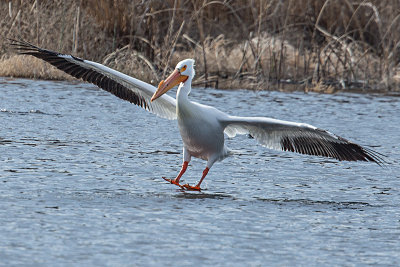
x: 174, y: 79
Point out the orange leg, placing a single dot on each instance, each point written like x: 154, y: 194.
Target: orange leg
x: 197, y: 187
x: 176, y: 180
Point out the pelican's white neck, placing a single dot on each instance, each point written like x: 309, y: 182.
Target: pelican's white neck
x: 184, y: 89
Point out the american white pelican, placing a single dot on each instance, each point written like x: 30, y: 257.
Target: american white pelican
x: 202, y: 127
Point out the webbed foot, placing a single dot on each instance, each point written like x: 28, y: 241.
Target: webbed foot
x: 192, y: 188
x: 173, y: 181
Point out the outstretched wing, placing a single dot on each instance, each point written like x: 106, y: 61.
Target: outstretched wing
x: 117, y: 83
x: 298, y: 137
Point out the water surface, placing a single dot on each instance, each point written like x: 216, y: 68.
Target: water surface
x: 80, y: 183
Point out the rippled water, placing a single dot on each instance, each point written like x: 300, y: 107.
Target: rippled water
x: 80, y: 183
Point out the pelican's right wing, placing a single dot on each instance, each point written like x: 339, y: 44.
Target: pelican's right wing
x: 117, y: 83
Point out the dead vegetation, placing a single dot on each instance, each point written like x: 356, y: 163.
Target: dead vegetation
x: 257, y: 44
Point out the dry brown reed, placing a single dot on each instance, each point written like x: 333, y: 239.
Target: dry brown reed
x: 257, y: 44
x: 31, y: 68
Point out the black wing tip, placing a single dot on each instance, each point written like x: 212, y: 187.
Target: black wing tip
x: 374, y: 156
x: 16, y: 41
x: 25, y: 48
x: 342, y: 151
x: 21, y: 44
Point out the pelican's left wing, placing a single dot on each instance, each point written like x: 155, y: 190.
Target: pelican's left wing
x: 117, y: 83
x: 298, y: 137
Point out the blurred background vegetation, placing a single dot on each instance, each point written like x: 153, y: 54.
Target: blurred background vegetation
x: 318, y: 45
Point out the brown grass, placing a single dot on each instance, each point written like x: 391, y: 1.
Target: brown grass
x: 31, y: 68
x: 307, y: 44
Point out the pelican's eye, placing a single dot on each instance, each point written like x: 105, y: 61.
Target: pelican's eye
x: 183, y: 68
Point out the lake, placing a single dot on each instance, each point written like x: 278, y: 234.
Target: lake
x: 81, y: 183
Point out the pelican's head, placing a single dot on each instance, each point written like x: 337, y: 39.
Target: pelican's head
x: 184, y: 71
